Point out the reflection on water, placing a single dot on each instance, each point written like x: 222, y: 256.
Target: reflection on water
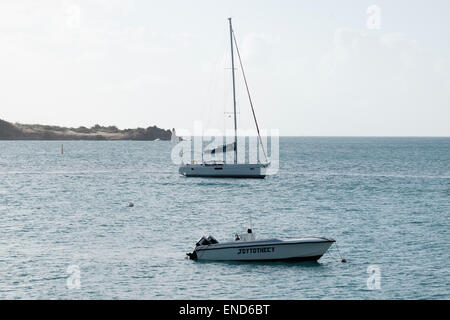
x: 385, y: 201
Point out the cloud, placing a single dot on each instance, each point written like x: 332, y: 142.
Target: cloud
x: 257, y: 47
x: 69, y: 71
x: 384, y: 79
x: 119, y: 55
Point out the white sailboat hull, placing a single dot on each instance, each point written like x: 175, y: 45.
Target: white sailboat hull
x: 224, y: 170
x: 304, y: 249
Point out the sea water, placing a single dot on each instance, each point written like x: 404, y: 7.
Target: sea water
x: 67, y: 232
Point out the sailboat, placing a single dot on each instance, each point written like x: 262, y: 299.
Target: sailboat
x: 174, y: 137
x: 221, y: 169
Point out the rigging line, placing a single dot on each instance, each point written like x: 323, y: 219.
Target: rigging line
x: 249, y: 97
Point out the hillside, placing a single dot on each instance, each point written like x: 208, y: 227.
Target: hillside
x: 17, y: 131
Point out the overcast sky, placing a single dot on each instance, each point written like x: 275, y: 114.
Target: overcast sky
x: 342, y: 68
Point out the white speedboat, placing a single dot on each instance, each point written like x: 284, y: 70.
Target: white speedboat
x: 247, y: 248
x: 235, y: 169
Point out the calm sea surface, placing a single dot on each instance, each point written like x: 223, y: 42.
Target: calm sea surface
x: 385, y: 200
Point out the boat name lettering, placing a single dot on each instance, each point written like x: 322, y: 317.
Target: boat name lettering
x: 256, y: 250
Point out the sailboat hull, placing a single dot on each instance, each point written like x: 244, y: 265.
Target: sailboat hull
x: 224, y: 170
x: 307, y: 249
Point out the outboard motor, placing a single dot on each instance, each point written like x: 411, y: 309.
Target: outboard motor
x: 204, y: 241
x: 212, y: 240
x: 193, y: 255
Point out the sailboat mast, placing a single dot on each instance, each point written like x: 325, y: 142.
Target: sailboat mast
x: 234, y: 92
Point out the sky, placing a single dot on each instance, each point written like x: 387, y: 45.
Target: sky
x: 315, y: 68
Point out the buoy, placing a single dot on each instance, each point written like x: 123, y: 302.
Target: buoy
x: 130, y: 204
x: 343, y: 260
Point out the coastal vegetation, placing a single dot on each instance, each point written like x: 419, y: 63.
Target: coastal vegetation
x: 18, y: 131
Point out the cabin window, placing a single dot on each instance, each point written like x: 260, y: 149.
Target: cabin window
x: 192, y: 168
x: 252, y: 168
x: 218, y: 168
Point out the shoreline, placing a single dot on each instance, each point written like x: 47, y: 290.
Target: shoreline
x: 36, y: 132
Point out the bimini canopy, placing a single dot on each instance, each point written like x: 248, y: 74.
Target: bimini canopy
x: 224, y: 148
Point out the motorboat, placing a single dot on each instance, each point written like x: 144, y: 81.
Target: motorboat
x: 246, y: 247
